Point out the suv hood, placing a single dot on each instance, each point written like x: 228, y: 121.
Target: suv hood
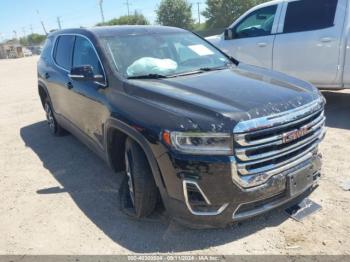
x: 242, y: 93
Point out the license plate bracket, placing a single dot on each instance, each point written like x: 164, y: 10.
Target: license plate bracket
x: 298, y: 182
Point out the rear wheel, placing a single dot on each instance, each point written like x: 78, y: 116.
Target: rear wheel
x: 54, y: 127
x: 139, y: 192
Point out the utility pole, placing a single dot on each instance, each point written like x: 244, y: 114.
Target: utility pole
x: 59, y: 22
x: 128, y: 6
x: 42, y: 22
x: 43, y: 25
x: 101, y: 9
x: 24, y: 31
x: 15, y: 34
x: 31, y: 29
x: 199, y: 13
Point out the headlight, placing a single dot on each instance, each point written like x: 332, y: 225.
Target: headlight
x: 200, y: 143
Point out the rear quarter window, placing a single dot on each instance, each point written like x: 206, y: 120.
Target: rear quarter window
x: 47, y: 49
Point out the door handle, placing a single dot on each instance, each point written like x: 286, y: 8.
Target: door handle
x: 262, y: 44
x: 69, y: 85
x: 326, y: 39
x: 47, y: 75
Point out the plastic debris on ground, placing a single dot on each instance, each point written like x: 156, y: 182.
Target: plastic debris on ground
x: 302, y: 210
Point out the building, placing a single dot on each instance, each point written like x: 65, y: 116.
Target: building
x: 11, y: 50
x: 2, y: 52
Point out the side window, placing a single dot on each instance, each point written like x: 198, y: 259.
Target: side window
x: 64, y: 50
x: 258, y: 23
x: 307, y: 15
x: 84, y: 54
x: 47, y: 49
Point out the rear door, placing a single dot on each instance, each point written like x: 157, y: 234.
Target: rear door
x: 253, y: 37
x: 62, y: 58
x: 308, y: 46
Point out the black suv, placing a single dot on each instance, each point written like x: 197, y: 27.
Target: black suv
x: 213, y: 139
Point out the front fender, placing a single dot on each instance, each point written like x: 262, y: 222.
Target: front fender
x: 112, y: 124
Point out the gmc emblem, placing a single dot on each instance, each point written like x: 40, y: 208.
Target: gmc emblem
x: 294, y: 135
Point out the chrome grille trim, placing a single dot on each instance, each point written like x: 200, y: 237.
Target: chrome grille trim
x: 273, y: 169
x: 281, y: 118
x: 241, y: 153
x: 241, y: 138
x: 263, y: 151
x: 253, y: 180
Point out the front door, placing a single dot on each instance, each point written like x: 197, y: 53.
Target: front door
x: 252, y: 37
x: 88, y: 100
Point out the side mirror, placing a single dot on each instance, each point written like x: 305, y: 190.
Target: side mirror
x: 229, y: 34
x: 85, y: 73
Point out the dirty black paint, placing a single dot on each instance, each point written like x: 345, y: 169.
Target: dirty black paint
x: 208, y: 102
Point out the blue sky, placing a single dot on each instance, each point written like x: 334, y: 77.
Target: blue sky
x: 20, y: 15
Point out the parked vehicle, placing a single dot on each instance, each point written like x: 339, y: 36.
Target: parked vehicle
x: 36, y: 50
x: 218, y: 140
x: 27, y: 52
x: 305, y: 38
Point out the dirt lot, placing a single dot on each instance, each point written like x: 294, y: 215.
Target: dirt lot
x: 57, y: 197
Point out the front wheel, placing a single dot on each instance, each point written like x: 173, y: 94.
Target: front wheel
x: 139, y: 192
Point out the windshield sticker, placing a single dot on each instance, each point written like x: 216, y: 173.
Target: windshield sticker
x: 201, y: 50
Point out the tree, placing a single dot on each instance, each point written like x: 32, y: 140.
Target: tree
x: 36, y: 39
x: 135, y: 19
x: 221, y: 13
x: 176, y: 13
x: 32, y: 39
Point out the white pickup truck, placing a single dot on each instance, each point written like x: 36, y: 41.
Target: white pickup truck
x: 308, y: 39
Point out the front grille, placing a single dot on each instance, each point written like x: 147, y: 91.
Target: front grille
x: 261, y: 147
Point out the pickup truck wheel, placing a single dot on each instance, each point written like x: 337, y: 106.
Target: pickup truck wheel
x: 54, y: 127
x: 139, y: 192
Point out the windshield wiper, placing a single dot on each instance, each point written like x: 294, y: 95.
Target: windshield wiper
x: 207, y: 69
x: 201, y: 70
x: 234, y: 60
x: 149, y: 76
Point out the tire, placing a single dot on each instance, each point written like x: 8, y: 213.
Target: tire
x: 138, y: 193
x: 54, y: 127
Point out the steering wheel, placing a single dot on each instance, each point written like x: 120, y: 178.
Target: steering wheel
x: 252, y: 31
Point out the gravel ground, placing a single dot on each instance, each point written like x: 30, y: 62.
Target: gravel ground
x: 57, y: 197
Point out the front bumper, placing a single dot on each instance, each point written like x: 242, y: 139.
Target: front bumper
x: 224, y: 201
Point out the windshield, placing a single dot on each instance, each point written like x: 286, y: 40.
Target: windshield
x: 166, y: 55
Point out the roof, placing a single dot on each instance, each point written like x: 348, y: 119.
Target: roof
x: 121, y: 30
